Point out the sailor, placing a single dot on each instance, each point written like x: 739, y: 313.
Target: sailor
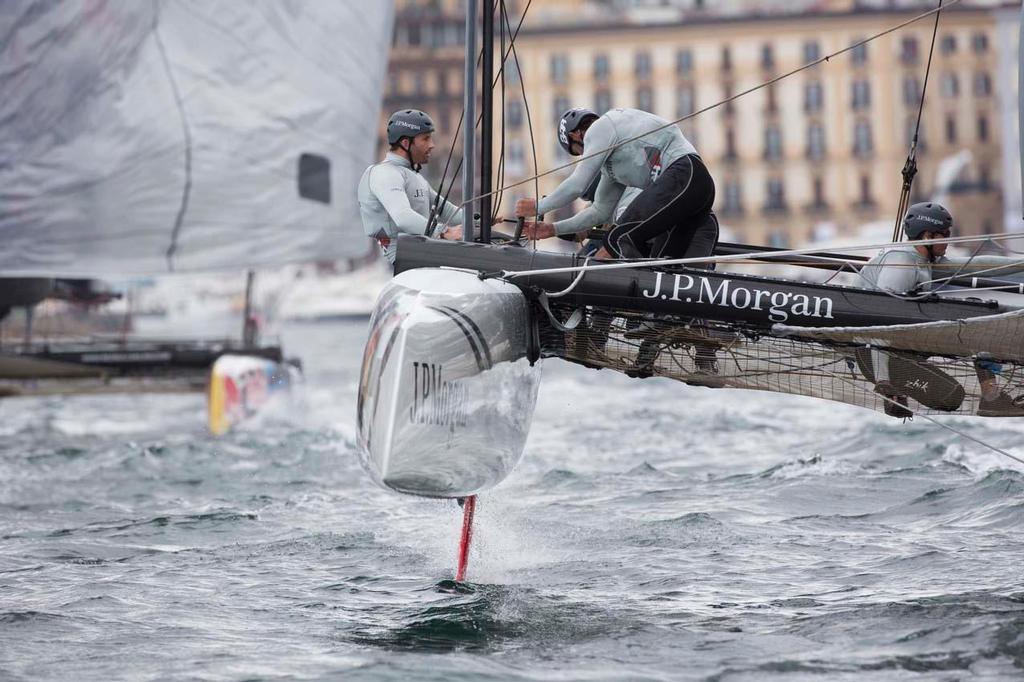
x: 907, y: 269
x: 394, y: 198
x: 676, y: 190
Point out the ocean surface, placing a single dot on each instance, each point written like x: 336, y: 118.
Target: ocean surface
x: 653, y: 531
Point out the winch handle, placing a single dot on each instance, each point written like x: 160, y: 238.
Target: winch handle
x: 520, y: 223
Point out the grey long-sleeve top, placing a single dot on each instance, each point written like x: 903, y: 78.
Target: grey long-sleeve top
x: 393, y: 198
x: 902, y: 269
x: 635, y: 164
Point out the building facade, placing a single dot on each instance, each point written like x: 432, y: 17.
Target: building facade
x: 811, y: 156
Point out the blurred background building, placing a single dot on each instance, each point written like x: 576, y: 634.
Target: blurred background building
x: 814, y: 156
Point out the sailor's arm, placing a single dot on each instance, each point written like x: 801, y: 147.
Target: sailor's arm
x: 600, y: 136
x: 388, y: 187
x: 598, y: 213
x: 967, y: 265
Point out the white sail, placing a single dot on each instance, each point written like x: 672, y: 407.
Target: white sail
x: 153, y: 136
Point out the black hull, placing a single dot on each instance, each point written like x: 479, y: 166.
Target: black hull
x: 752, y: 301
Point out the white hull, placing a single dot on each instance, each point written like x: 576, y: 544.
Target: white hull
x: 446, y: 393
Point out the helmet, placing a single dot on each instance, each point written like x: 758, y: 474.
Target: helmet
x: 570, y: 121
x: 926, y: 217
x: 408, y: 123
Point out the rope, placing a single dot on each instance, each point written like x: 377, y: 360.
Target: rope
x: 910, y: 167
x: 744, y: 93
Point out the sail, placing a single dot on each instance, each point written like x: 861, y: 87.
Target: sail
x: 180, y: 135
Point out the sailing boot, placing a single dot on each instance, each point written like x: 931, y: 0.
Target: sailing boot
x: 1003, y: 405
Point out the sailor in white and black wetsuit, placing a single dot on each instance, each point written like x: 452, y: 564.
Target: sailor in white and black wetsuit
x: 393, y: 196
x: 676, y: 190
x: 907, y: 270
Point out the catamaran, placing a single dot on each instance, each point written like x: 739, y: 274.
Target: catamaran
x: 451, y: 368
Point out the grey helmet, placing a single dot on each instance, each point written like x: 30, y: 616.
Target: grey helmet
x: 926, y: 217
x: 408, y: 123
x: 570, y: 121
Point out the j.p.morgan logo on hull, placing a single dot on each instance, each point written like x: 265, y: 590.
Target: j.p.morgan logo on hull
x: 729, y: 294
x: 436, y: 401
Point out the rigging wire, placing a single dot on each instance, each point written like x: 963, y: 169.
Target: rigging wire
x: 710, y: 107
x: 625, y: 265
x: 451, y: 185
x: 501, y: 74
x: 958, y: 432
x: 526, y: 107
x: 910, y: 167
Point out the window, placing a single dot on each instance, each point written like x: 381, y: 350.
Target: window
x: 413, y: 33
x: 684, y: 62
x: 819, y: 194
x: 729, y: 107
x: 772, y: 143
x: 911, y: 91
x: 950, y: 85
x: 686, y: 101
x: 514, y: 114
x: 767, y: 57
x: 865, y: 191
x: 861, y: 95
x: 642, y: 64
x: 442, y: 83
x: 602, y: 101
x: 515, y: 161
x: 775, y: 195
x: 512, y: 72
x: 948, y: 44
x: 771, y: 104
x: 908, y: 50
x: 601, y: 68
x: 815, y: 142
x: 859, y: 54
x: 862, y: 143
x: 559, y: 107
x: 813, y: 97
x: 984, y: 177
x: 951, y: 130
x: 983, y: 129
x: 777, y: 240
x: 456, y: 34
x: 644, y: 99
x: 812, y: 51
x: 726, y: 59
x: 979, y: 43
x: 733, y: 198
x: 419, y: 84
x: 982, y: 84
x: 730, y: 144
x: 559, y: 68
x: 315, y: 178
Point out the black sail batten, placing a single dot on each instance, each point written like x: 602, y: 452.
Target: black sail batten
x: 728, y: 297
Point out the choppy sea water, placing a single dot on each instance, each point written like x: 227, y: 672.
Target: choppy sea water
x: 653, y: 531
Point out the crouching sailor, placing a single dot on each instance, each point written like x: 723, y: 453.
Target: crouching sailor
x: 394, y: 198
x: 907, y: 269
x: 632, y: 148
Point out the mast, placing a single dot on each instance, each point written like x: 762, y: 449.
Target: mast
x: 469, y: 106
x: 249, y: 329
x: 486, y: 121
